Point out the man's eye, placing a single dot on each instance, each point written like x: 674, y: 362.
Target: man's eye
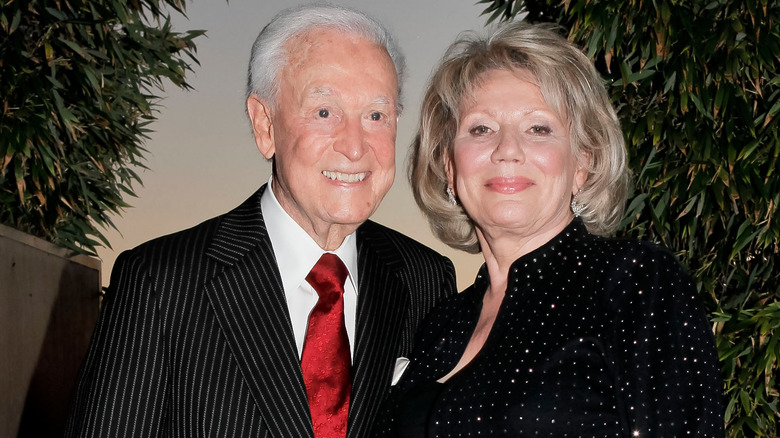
x: 376, y: 116
x: 324, y: 113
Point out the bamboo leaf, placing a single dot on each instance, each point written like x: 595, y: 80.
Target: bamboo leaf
x: 639, y: 76
x: 15, y: 22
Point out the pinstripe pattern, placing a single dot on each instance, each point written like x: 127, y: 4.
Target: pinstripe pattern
x: 194, y: 339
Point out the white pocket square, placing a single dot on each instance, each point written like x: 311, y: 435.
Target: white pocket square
x: 400, y: 366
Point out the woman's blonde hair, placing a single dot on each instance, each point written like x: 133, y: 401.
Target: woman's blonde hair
x: 571, y: 87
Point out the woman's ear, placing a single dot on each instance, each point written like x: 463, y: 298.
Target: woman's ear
x: 581, y: 174
x: 260, y: 117
x: 450, y: 169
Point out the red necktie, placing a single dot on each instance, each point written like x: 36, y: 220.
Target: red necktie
x: 326, y: 360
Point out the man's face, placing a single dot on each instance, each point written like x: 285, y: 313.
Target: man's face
x: 333, y: 131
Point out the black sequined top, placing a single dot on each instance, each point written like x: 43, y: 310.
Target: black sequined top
x: 595, y: 337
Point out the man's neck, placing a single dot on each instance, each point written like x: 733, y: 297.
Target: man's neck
x: 328, y: 236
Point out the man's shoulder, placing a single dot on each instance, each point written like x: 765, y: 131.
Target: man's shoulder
x: 192, y: 240
x: 392, y: 240
x: 184, y: 243
x: 419, y: 266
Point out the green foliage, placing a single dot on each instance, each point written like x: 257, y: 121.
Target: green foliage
x: 77, y: 79
x: 697, y: 87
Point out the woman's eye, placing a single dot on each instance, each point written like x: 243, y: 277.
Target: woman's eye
x: 324, y: 113
x: 376, y: 116
x: 540, y: 130
x: 480, y: 130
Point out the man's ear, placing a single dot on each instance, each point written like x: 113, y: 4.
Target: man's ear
x: 260, y: 116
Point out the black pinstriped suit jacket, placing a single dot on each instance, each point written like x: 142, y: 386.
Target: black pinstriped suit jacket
x: 194, y: 339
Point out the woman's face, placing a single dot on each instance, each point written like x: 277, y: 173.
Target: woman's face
x: 513, y: 169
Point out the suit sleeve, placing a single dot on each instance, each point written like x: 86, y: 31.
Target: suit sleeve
x: 450, y: 283
x: 668, y: 382
x: 121, y: 389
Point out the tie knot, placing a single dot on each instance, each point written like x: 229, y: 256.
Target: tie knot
x: 328, y: 275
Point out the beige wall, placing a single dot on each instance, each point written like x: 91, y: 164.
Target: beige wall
x: 48, y: 309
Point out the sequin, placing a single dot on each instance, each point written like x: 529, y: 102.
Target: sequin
x: 608, y: 342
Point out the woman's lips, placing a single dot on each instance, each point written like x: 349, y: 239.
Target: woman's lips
x: 508, y: 185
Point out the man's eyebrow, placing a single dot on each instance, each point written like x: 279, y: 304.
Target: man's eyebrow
x: 326, y: 92
x: 383, y: 101
x: 321, y: 91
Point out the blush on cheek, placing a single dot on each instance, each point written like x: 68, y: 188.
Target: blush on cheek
x: 550, y: 163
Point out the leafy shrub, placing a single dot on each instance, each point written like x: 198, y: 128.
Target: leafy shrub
x: 77, y: 79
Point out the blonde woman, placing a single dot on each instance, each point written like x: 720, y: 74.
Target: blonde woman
x: 564, y: 333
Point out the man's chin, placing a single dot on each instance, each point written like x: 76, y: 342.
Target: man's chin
x: 352, y: 214
x: 350, y: 219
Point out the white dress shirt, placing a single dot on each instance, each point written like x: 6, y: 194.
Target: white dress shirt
x: 296, y: 254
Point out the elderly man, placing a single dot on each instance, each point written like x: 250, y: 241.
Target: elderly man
x: 287, y: 316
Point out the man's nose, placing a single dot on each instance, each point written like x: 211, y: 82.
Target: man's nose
x: 351, y: 141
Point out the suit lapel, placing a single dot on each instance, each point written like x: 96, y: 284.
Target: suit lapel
x: 382, y: 302
x: 251, y: 309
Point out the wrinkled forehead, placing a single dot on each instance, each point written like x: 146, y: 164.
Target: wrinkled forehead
x: 323, y: 43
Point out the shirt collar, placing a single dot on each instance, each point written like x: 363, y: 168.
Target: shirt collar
x: 295, y: 251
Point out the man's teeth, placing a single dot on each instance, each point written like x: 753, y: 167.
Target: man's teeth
x: 345, y: 177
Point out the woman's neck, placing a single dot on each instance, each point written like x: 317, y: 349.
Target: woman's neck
x: 501, y: 248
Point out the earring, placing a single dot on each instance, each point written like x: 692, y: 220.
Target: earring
x: 451, y: 196
x: 576, y: 206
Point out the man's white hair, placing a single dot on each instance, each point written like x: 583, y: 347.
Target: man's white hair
x: 269, y: 54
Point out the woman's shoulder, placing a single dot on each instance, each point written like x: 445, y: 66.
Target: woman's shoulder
x: 576, y: 244
x: 453, y: 317
x: 629, y: 250
x: 640, y: 274
x: 456, y: 303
